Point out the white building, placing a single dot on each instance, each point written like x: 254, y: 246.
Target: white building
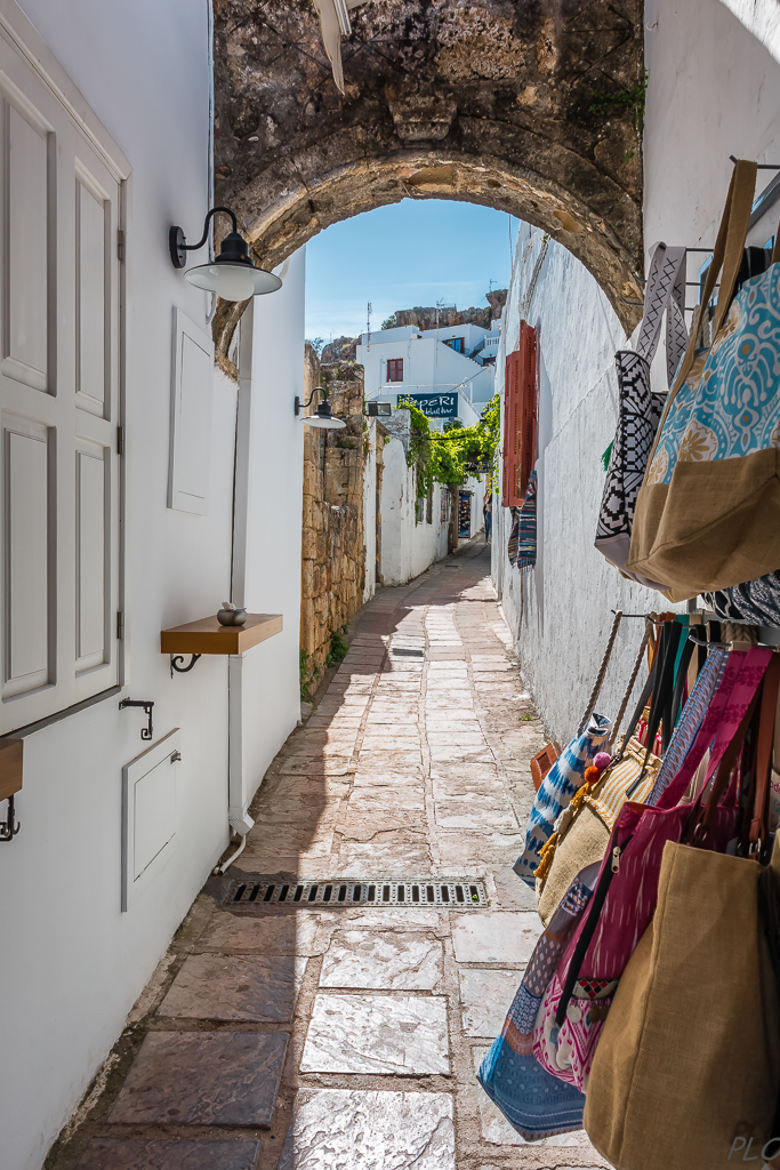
x: 106, y: 545
x: 448, y: 372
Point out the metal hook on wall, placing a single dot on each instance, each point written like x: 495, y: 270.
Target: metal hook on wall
x: 10, y: 826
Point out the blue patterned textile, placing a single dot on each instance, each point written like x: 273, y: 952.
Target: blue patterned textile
x: 533, y: 1101
x: 526, y: 532
x: 556, y: 790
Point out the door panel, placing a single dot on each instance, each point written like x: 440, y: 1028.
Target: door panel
x: 27, y: 247
x: 93, y: 296
x: 29, y: 610
x: 93, y: 564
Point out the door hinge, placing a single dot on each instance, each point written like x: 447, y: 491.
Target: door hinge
x: 120, y: 244
x: 120, y: 625
x: 120, y: 440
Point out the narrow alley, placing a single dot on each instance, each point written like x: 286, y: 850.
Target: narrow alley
x: 314, y: 1038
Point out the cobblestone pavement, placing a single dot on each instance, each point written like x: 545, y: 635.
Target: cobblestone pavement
x: 348, y: 1039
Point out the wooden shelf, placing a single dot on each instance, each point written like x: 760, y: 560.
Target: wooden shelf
x: 207, y: 636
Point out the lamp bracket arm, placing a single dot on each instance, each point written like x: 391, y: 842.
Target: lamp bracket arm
x: 209, y: 216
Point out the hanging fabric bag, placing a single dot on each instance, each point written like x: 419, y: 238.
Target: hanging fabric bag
x: 535, y: 1103
x: 580, y: 994
x: 583, y: 830
x: 708, y: 512
x: 756, y: 602
x: 566, y: 775
x: 639, y: 409
x: 526, y: 530
x: 686, y: 1075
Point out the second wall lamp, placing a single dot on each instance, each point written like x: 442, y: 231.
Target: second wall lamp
x: 231, y: 275
x: 323, y: 417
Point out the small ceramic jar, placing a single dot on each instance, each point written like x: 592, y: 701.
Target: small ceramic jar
x: 231, y: 615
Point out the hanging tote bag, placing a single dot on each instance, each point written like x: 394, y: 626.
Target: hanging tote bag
x: 580, y: 993
x: 535, y: 1103
x: 708, y: 512
x: 526, y: 531
x: 566, y: 775
x: 756, y: 602
x: 687, y: 1070
x: 639, y: 409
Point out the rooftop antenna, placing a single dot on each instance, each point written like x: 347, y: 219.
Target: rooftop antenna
x: 368, y: 325
x: 491, y: 282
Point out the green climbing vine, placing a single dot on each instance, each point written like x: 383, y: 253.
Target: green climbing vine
x: 450, y: 457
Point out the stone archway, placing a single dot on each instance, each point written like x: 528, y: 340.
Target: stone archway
x: 532, y: 108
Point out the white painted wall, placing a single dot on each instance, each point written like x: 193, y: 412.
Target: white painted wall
x: 409, y: 548
x: 269, y: 690
x: 713, y: 89
x: 72, y: 963
x: 559, y: 612
x: 369, y: 506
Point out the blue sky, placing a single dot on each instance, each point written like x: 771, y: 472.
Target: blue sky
x: 415, y: 252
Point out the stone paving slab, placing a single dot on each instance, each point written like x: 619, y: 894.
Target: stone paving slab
x: 485, y: 998
x: 405, y: 1035
x: 202, y: 1078
x: 150, y: 1154
x: 223, y: 987
x: 271, y: 934
x: 362, y: 1130
x: 495, y: 937
x: 388, y: 961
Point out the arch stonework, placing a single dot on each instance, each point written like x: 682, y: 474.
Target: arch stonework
x: 532, y: 107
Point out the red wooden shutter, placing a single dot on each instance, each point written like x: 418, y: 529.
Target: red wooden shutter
x: 520, y: 417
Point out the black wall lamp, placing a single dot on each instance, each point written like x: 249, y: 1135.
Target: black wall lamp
x: 323, y: 418
x: 231, y: 275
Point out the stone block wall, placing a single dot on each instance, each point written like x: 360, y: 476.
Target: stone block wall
x: 333, y: 567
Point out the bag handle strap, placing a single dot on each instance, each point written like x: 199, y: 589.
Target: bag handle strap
x: 741, y: 679
x: 648, y: 634
x: 727, y: 253
x: 665, y: 293
x: 725, y: 778
x: 766, y: 735
x: 598, y: 684
x: 776, y: 248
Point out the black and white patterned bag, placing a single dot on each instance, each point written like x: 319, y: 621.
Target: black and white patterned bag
x: 639, y: 409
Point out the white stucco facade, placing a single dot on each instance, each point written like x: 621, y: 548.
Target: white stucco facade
x: 431, y: 366
x: 409, y: 546
x: 73, y: 962
x: 713, y: 84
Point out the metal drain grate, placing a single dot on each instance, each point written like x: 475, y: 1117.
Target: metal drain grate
x: 407, y: 651
x: 253, y: 893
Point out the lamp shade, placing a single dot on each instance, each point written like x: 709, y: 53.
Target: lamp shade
x: 323, y: 418
x: 232, y: 275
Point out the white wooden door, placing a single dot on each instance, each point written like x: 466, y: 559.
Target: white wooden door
x: 59, y: 403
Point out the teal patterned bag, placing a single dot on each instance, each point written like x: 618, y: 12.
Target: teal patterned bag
x: 708, y: 512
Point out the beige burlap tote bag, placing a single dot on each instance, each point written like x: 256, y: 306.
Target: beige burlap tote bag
x: 687, y: 1070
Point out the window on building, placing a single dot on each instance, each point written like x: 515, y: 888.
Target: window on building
x: 395, y: 369
x: 456, y: 343
x: 520, y: 417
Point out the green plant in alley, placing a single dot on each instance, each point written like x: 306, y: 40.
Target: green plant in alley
x: 338, y: 647
x: 450, y: 457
